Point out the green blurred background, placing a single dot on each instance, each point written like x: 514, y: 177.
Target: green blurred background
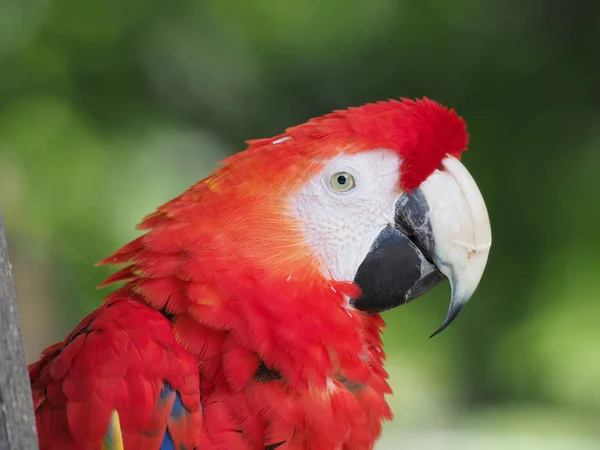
x: 109, y: 108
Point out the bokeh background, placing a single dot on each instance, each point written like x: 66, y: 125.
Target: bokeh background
x: 109, y: 108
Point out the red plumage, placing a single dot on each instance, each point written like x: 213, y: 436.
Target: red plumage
x: 224, y: 300
x: 116, y: 358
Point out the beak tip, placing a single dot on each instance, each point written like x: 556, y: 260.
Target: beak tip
x: 452, y: 314
x: 441, y: 328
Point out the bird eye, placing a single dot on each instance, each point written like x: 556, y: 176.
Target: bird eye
x: 342, y: 181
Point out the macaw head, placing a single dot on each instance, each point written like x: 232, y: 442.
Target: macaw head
x: 375, y: 195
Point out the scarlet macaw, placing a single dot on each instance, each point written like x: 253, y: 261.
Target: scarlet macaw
x: 249, y: 314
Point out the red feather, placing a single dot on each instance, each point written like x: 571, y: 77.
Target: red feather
x: 117, y: 358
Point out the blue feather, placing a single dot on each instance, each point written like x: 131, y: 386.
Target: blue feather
x: 167, y: 443
x: 165, y: 392
x: 177, y: 411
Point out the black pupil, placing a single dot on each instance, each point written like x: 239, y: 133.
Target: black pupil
x: 341, y: 179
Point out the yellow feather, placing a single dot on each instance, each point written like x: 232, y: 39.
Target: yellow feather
x: 113, y: 439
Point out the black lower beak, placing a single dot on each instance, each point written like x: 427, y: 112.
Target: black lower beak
x: 393, y: 273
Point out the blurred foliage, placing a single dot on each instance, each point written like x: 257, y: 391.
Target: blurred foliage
x: 108, y: 109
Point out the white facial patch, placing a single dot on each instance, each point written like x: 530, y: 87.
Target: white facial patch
x: 342, y: 226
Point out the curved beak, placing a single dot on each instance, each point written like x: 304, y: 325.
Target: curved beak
x: 441, y: 231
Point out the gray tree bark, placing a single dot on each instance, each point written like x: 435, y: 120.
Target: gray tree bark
x: 17, y: 422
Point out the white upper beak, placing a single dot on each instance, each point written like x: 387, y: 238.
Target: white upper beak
x: 461, y: 226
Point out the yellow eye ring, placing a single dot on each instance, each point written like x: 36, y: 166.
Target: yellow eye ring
x: 342, y: 181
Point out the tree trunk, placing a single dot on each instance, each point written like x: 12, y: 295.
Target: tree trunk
x: 17, y: 423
